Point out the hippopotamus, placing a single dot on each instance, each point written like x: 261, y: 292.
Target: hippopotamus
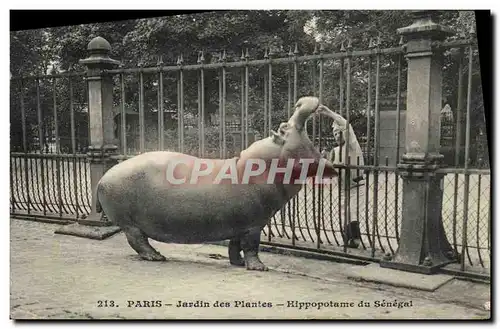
x: 177, y: 198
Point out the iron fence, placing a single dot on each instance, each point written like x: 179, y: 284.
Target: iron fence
x: 55, y: 181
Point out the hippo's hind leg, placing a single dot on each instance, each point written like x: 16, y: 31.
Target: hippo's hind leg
x: 234, y: 250
x: 250, y: 245
x: 139, y: 242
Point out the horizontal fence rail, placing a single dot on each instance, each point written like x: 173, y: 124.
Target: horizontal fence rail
x: 217, y: 109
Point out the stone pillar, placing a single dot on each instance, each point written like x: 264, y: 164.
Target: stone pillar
x: 423, y: 246
x: 101, y: 123
x: 101, y: 130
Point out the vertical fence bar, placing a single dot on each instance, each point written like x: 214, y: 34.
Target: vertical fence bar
x: 180, y: 105
x: 315, y: 197
x: 242, y: 100
x: 478, y: 217
x: 67, y: 206
x: 220, y: 110
x: 465, y: 249
x: 266, y: 128
x: 347, y: 178
x: 295, y: 204
x: 76, y: 179
x: 52, y: 178
x: 223, y: 117
x: 12, y: 186
x: 290, y: 205
x: 161, y: 113
x: 306, y: 203
x: 368, y: 149
x: 398, y: 134
x: 58, y: 151
x: 87, y: 178
x: 386, y: 188
x: 181, y: 117
x: 376, y: 149
x: 141, y: 113
x: 269, y: 125
x: 72, y: 117
x: 25, y: 145
x: 246, y: 97
x: 179, y: 109
x: 200, y: 119
x: 358, y: 162
x: 41, y: 142
x: 202, y: 107
x: 321, y: 121
x: 87, y: 166
x: 458, y: 137
x: 270, y: 91
x: 368, y: 105
x: 489, y: 228
x: 341, y: 170
x: 123, y: 115
x: 289, y: 91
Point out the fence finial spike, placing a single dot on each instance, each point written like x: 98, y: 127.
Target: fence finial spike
x: 315, y: 51
x: 290, y: 53
x: 198, y: 60
x: 178, y: 60
x: 401, y: 41
x: 342, y: 48
x: 271, y: 51
x: 379, y: 39
x: 370, y: 44
x: 160, y: 60
x: 182, y: 59
x: 349, y: 44
x: 265, y: 53
x: 224, y: 55
x: 321, y: 47
x: 242, y: 54
x: 247, y: 56
x: 202, y: 57
x: 296, y: 51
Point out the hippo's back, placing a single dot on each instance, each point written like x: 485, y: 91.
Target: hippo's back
x: 122, y: 183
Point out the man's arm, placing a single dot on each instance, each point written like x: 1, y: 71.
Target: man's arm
x: 339, y: 120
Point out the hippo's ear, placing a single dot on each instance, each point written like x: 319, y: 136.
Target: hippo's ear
x: 277, y: 138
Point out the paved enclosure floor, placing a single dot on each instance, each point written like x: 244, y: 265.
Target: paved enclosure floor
x: 64, y: 277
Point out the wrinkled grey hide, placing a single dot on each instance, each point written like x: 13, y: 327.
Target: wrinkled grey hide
x: 137, y: 197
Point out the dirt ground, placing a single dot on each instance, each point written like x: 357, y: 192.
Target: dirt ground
x: 64, y: 277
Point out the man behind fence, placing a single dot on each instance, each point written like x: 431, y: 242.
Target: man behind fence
x: 343, y: 133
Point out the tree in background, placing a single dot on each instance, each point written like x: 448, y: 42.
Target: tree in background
x: 224, y: 35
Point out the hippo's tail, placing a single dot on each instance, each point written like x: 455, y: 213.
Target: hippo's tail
x: 98, y: 207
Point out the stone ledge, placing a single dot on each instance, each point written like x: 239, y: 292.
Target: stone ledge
x: 89, y: 232
x: 397, y: 278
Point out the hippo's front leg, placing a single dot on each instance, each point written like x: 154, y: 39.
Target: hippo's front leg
x: 250, y: 246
